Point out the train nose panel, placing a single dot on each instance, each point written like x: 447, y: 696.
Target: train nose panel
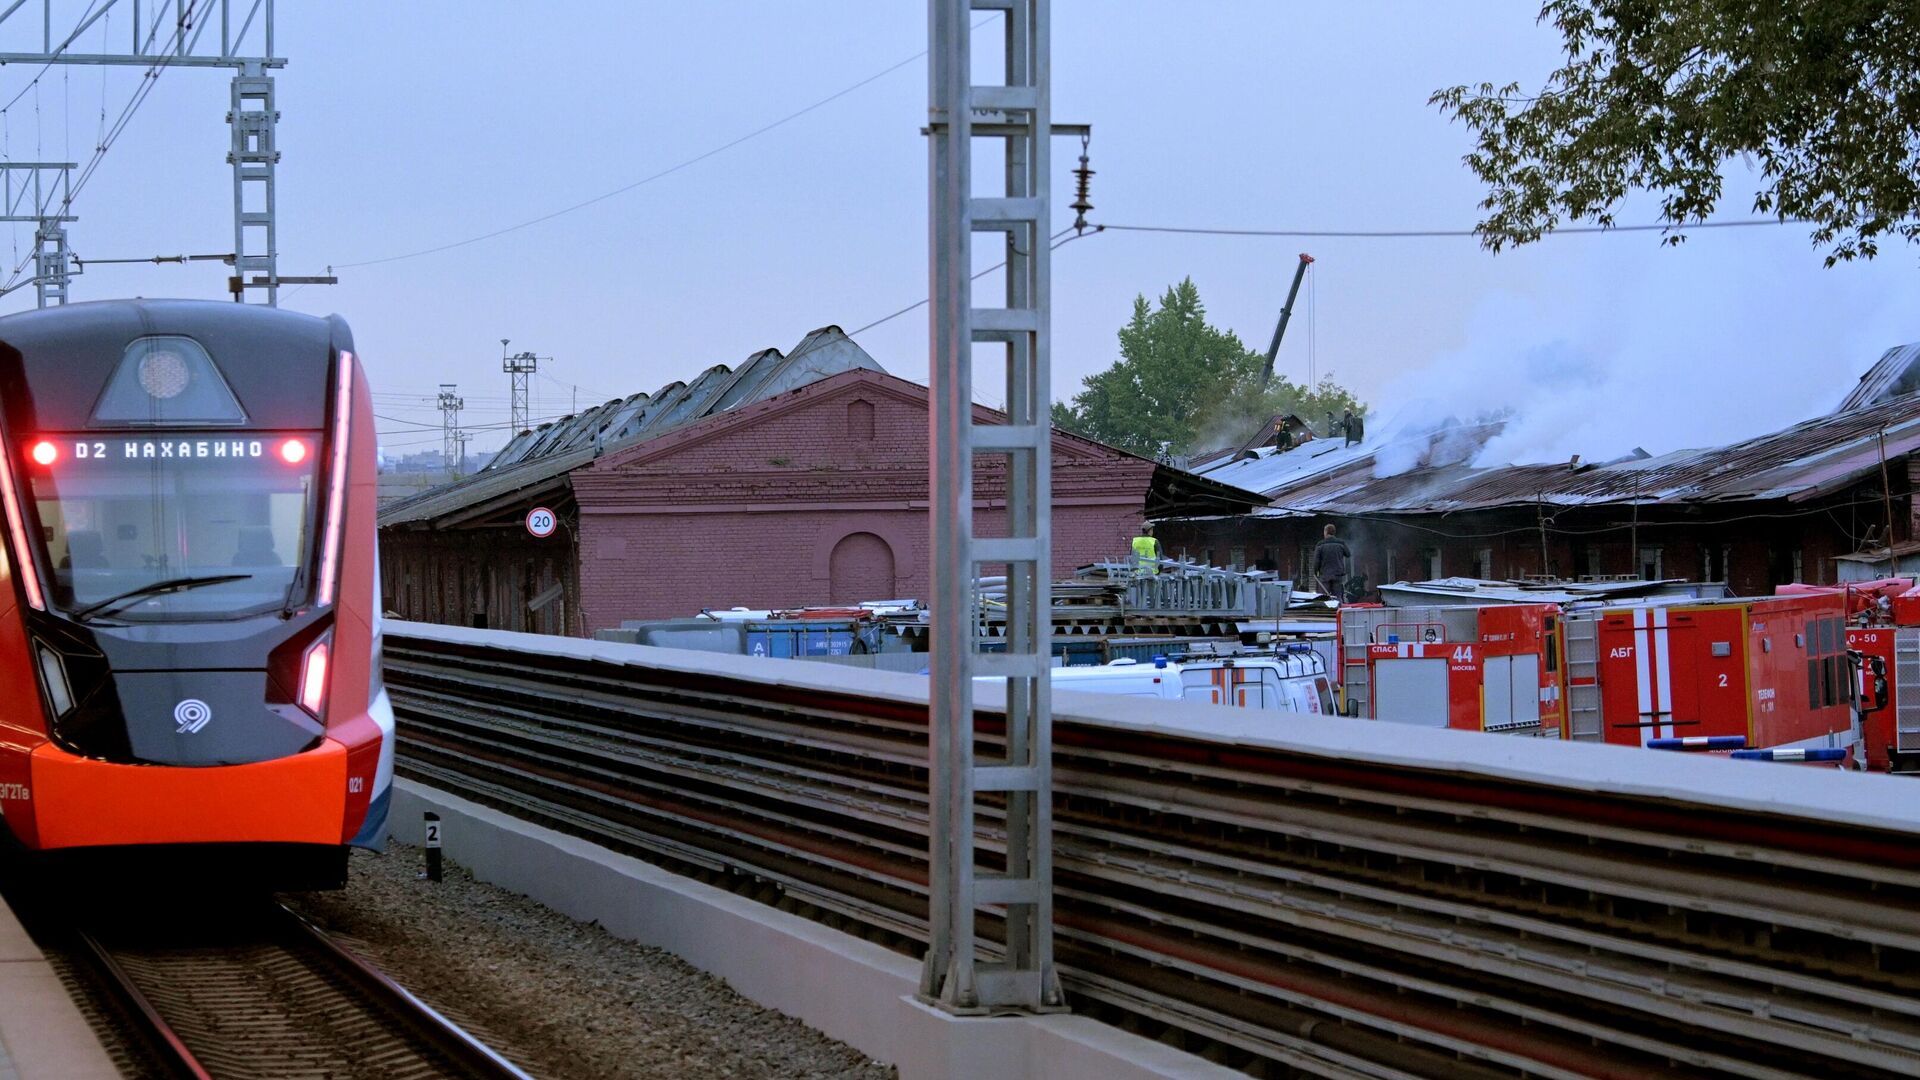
x: 209, y: 718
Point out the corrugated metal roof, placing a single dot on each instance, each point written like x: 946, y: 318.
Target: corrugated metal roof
x: 1896, y: 373
x: 1805, y: 461
x: 556, y: 448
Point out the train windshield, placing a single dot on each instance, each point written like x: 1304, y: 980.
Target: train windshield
x: 184, y: 526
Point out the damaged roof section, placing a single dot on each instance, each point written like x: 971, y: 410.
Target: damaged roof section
x: 1897, y: 373
x: 826, y: 351
x: 536, y: 461
x: 1431, y: 473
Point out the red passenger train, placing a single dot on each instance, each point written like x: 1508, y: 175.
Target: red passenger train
x: 189, y: 625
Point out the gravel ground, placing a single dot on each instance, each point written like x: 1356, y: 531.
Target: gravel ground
x: 564, y: 1000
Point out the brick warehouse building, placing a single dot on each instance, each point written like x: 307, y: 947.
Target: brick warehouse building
x: 1766, y: 511
x: 809, y: 490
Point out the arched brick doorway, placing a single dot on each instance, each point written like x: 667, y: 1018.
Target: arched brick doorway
x: 861, y: 568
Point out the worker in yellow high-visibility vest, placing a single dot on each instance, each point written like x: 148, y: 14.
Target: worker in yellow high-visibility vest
x: 1146, y: 555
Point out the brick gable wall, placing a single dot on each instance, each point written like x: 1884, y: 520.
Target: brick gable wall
x: 747, y: 509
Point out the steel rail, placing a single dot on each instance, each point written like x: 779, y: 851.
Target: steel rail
x: 420, y: 1042
x: 1382, y: 1006
x: 1469, y: 926
x: 1650, y: 969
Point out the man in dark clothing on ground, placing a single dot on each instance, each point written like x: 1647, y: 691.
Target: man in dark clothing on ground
x: 1332, y: 562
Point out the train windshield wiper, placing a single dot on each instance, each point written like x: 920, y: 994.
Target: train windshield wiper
x: 153, y: 588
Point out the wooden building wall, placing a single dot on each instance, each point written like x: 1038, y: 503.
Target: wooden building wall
x: 490, y: 578
x: 1753, y: 547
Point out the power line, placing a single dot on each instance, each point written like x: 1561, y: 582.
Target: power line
x: 643, y: 181
x: 1058, y: 243
x: 1415, y: 234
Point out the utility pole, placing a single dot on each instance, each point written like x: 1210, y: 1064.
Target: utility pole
x: 1018, y: 111
x: 518, y: 367
x: 1886, y: 499
x: 38, y: 192
x: 451, y: 436
x: 1540, y: 510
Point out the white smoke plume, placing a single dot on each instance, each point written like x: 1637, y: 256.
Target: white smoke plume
x: 1604, y: 382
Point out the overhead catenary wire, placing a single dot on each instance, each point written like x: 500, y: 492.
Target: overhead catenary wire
x: 1057, y: 244
x: 149, y: 79
x: 645, y: 180
x: 1417, y: 234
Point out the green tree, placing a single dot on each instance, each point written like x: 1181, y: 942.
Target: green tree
x: 1185, y: 385
x: 1821, y: 96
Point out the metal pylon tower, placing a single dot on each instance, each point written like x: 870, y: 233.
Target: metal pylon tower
x: 519, y: 367
x: 232, y: 34
x: 39, y: 192
x: 451, y: 436
x: 256, y: 248
x: 956, y: 976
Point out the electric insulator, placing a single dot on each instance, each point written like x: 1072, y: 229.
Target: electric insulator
x: 1082, y: 180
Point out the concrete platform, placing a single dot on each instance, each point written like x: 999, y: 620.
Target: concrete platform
x: 851, y: 989
x: 42, y: 1034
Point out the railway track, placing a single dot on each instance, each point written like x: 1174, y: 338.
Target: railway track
x: 258, y: 993
x: 1287, y: 916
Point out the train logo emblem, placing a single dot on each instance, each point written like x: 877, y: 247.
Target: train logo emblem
x: 192, y: 715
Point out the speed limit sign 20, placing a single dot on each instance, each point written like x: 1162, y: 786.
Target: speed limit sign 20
x: 541, y: 522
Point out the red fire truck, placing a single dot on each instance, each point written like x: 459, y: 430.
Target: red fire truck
x: 1494, y: 668
x: 1773, y: 671
x: 1883, y: 643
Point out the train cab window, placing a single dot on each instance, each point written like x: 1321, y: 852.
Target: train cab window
x: 1553, y: 643
x: 177, y: 525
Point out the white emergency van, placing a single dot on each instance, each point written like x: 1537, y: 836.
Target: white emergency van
x: 1293, y: 680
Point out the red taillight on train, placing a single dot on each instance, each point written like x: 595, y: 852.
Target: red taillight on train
x: 293, y: 451
x: 313, y: 678
x: 44, y: 452
x: 23, y: 563
x: 336, y: 480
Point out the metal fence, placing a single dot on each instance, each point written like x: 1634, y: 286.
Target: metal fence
x: 1336, y: 898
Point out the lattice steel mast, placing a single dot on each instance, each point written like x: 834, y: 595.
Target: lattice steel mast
x: 519, y: 368
x: 175, y: 35
x: 451, y: 437
x: 955, y: 976
x: 38, y: 192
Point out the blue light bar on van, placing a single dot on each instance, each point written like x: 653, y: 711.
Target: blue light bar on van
x: 1808, y: 754
x: 1699, y: 742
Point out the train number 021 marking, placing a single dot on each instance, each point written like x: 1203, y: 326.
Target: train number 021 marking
x: 356, y: 784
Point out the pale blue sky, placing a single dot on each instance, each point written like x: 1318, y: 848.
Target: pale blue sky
x: 409, y: 125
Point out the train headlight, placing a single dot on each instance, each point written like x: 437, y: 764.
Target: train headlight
x: 313, y: 676
x: 163, y: 374
x: 53, y: 675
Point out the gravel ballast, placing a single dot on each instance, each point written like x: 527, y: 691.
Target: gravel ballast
x: 564, y: 1000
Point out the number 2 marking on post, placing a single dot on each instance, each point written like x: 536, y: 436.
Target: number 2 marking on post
x: 433, y: 834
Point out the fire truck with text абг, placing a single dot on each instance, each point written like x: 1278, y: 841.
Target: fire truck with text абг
x: 1782, y: 677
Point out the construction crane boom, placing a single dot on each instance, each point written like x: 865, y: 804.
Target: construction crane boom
x: 1286, y: 314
